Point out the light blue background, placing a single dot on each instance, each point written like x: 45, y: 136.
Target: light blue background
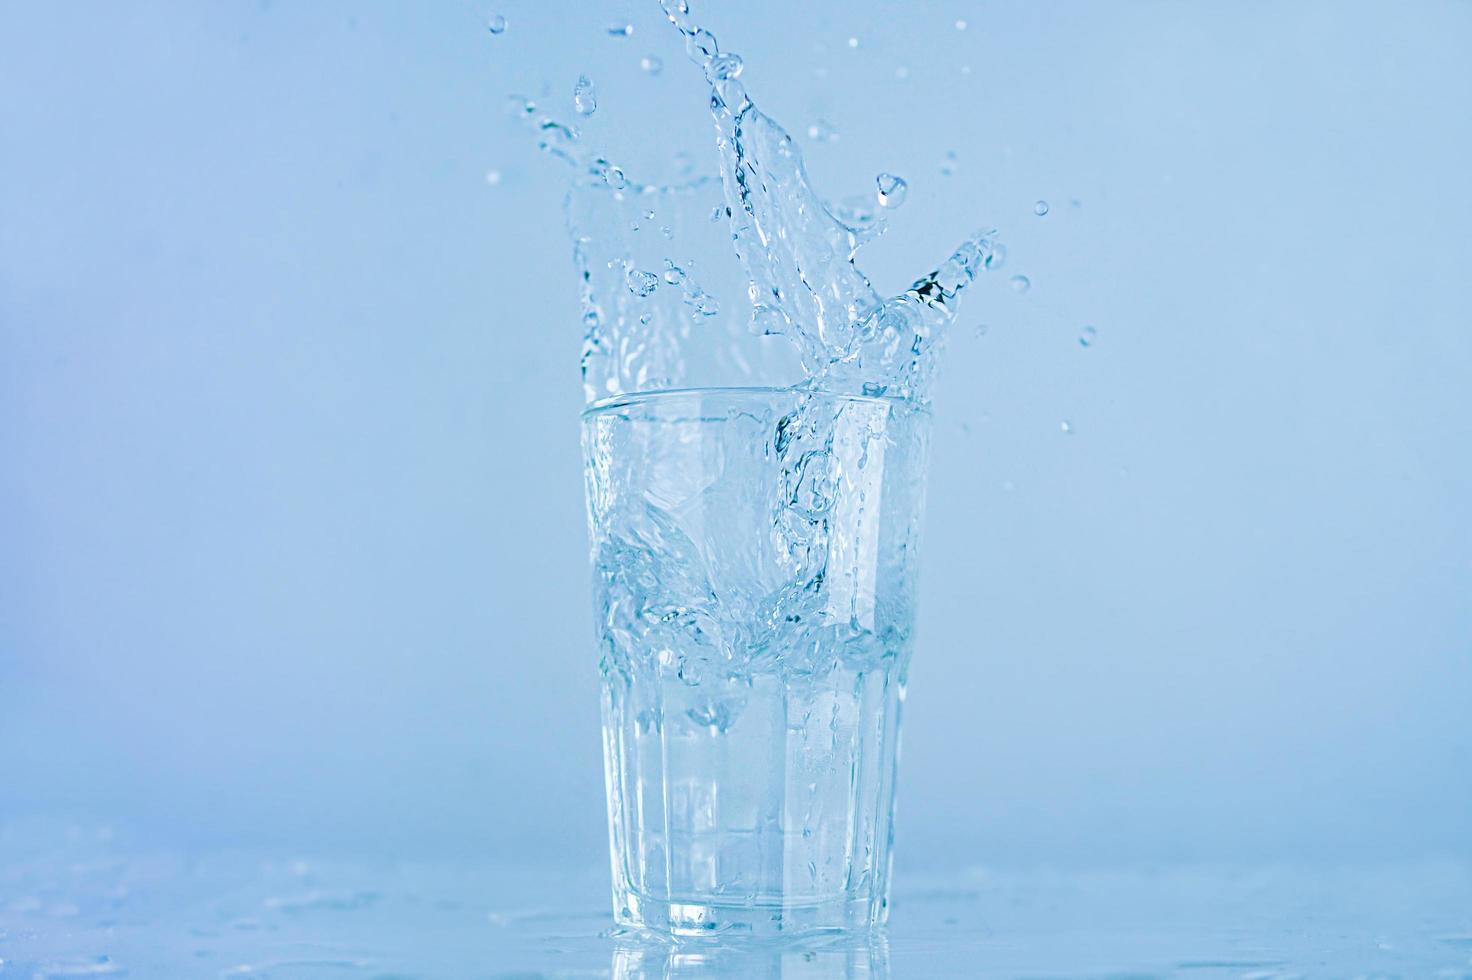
x: 291, y: 527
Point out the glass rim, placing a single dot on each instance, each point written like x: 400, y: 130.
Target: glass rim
x: 625, y: 399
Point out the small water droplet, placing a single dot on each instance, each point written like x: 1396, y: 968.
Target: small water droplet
x: 584, y: 96
x: 853, y: 42
x: 948, y: 163
x: 891, y: 190
x: 522, y: 107
x: 667, y: 232
x: 620, y: 30
x: 1020, y: 284
x: 497, y: 24
x: 822, y: 131
x: 1087, y: 336
x: 965, y: 69
x: 613, y: 176
x: 1040, y: 208
x: 715, y: 213
x: 644, y: 318
x: 493, y: 177
x: 642, y: 283
x: 901, y: 73
x: 673, y: 274
x: 590, y: 319
x: 651, y: 64
x: 995, y: 256
x: 960, y: 25
x: 1065, y: 427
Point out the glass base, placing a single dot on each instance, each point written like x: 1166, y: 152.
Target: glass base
x: 688, y: 920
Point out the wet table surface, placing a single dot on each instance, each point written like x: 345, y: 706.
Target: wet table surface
x: 87, y: 906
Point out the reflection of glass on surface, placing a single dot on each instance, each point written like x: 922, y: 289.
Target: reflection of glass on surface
x: 754, y: 560
x: 867, y: 960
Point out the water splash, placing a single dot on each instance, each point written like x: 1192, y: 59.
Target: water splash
x: 584, y: 96
x: 810, y: 315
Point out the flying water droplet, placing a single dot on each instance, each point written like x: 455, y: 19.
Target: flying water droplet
x: 497, y: 24
x: 620, y: 30
x: 1066, y: 427
x: 822, y: 131
x: 960, y: 25
x: 716, y: 213
x: 651, y: 64
x: 853, y: 42
x: 522, y: 107
x: 612, y: 176
x: 642, y: 283
x: 673, y: 274
x: 891, y: 190
x: 1086, y: 338
x: 1040, y: 208
x: 584, y: 96
x: 1020, y: 284
x: 994, y: 255
x: 493, y: 177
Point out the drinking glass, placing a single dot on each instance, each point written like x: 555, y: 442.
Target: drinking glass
x: 754, y: 558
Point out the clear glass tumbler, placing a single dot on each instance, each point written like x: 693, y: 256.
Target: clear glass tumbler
x: 754, y: 554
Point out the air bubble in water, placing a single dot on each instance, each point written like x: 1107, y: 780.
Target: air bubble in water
x: 642, y: 283
x: 651, y: 64
x: 584, y: 96
x: 1086, y: 338
x: 497, y: 24
x: 891, y: 190
x: 1020, y: 284
x: 822, y: 131
x: 620, y: 30
x: 1040, y: 208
